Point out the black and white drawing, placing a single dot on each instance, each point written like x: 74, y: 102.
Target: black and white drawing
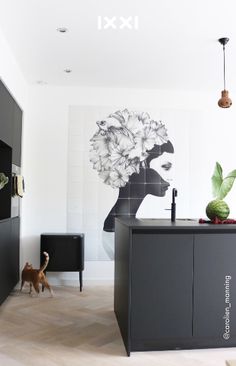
x: 122, y: 149
x: 144, y: 160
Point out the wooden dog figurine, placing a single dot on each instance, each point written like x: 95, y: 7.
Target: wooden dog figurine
x: 35, y: 276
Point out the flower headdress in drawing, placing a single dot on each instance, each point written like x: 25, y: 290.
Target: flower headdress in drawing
x: 122, y: 144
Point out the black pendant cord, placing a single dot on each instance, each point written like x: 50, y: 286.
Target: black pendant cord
x: 224, y: 101
x: 224, y: 41
x: 224, y: 65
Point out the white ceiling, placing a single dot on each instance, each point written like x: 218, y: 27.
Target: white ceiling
x: 175, y: 46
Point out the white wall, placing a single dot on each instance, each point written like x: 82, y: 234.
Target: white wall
x: 45, y: 154
x: 11, y: 75
x: 45, y: 148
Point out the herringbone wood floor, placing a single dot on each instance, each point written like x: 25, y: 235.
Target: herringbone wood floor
x: 75, y: 329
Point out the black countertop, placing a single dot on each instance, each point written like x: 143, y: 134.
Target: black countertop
x: 180, y: 225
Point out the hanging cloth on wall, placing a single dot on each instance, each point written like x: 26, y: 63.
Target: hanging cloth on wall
x: 18, y: 185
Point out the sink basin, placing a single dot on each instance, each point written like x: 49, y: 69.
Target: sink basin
x: 185, y: 220
x: 149, y: 219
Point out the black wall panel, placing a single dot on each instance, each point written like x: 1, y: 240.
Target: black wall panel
x: 5, y: 251
x: 10, y: 123
x: 10, y: 153
x: 6, y: 115
x: 13, y: 267
x: 16, y: 135
x: 6, y: 168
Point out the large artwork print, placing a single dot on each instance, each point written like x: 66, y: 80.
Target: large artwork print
x: 122, y: 149
x: 120, y: 162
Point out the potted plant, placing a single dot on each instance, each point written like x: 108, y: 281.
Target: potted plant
x: 218, y: 209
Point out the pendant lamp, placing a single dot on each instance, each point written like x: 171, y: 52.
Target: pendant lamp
x: 224, y: 101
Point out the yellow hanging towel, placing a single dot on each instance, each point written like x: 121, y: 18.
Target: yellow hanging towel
x: 19, y: 186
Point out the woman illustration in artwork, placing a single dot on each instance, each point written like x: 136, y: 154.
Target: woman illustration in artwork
x: 122, y: 150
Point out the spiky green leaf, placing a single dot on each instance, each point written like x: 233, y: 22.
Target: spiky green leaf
x: 217, y: 180
x: 227, y: 184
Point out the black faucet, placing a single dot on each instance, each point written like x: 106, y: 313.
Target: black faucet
x: 173, y: 204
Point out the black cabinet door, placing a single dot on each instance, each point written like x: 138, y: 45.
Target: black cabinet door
x: 161, y: 286
x: 16, y: 135
x: 5, y: 249
x: 13, y: 256
x: 214, y: 285
x: 6, y: 115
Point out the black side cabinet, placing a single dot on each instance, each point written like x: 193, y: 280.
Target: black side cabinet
x: 66, y: 252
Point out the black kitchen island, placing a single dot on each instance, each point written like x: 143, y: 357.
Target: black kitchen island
x: 175, y: 284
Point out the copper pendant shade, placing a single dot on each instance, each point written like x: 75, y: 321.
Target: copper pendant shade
x: 224, y: 101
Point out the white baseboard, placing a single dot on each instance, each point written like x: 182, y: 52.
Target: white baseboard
x: 99, y: 272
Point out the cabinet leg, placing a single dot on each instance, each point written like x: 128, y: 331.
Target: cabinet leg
x: 80, y: 280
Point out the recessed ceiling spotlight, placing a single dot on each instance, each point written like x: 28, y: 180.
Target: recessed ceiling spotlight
x: 67, y: 71
x: 62, y: 29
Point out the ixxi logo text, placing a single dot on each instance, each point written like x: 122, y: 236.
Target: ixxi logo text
x: 118, y: 23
